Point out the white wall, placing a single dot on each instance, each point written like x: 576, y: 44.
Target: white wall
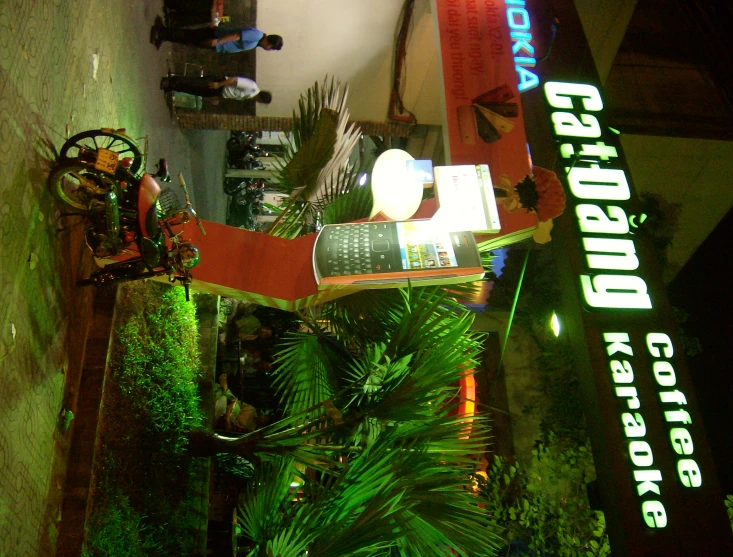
x: 349, y: 39
x: 353, y: 40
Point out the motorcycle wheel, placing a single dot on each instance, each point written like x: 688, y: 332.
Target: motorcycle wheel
x: 66, y: 183
x: 93, y: 140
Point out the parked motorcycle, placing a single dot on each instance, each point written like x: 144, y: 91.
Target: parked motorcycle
x: 245, y: 203
x: 239, y: 139
x: 99, y: 177
x: 243, y: 151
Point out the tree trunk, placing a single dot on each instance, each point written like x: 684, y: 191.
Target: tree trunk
x: 207, y: 443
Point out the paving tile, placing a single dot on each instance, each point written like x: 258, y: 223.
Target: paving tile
x: 46, y: 83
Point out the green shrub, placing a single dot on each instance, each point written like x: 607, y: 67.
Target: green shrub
x: 142, y: 491
x: 547, y: 506
x: 561, y: 408
x: 115, y: 529
x: 156, y: 363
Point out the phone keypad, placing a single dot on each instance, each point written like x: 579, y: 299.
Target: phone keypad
x: 349, y: 250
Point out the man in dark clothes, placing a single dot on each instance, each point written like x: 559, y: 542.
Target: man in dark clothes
x: 221, y: 39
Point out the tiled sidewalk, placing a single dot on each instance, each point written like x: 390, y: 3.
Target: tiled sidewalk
x: 48, y: 81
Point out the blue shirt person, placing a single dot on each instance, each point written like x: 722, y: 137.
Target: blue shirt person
x: 238, y: 40
x: 224, y: 40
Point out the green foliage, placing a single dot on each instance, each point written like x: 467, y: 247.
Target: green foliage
x: 115, y: 529
x: 561, y: 408
x: 660, y: 225
x: 547, y: 506
x: 304, y: 376
x: 303, y: 168
x: 413, y: 359
x: 397, y: 493
x: 156, y: 363
x: 540, y: 293
x: 393, y: 460
x: 729, y: 508
x: 306, y: 118
x: 125, y: 522
x: 364, y: 317
x: 142, y: 503
x: 343, y: 199
x: 236, y: 467
x: 315, y: 170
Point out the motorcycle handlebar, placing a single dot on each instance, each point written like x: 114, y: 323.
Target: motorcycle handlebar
x: 182, y: 182
x: 188, y: 204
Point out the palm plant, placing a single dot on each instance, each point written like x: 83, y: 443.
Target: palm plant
x: 371, y: 435
x: 365, y: 409
x: 396, y: 495
x: 314, y: 171
x: 338, y: 389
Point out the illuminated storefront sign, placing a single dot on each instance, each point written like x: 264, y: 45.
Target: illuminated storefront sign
x: 648, y: 478
x: 638, y: 360
x: 654, y: 469
x: 604, y: 225
x: 517, y: 18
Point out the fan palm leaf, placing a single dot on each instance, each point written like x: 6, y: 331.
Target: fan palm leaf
x: 343, y: 199
x: 364, y: 317
x: 444, y: 511
x: 302, y: 170
x: 266, y: 498
x: 402, y: 394
x: 427, y: 352
x: 304, y: 374
x: 397, y: 493
x: 314, y: 159
x: 428, y: 315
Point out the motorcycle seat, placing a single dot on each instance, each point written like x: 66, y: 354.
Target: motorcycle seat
x: 147, y: 210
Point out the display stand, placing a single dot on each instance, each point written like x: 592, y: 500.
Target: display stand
x: 258, y: 268
x: 278, y: 273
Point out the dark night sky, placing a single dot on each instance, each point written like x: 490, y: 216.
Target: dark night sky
x: 704, y: 288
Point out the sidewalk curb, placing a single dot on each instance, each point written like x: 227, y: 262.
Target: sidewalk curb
x: 84, y: 429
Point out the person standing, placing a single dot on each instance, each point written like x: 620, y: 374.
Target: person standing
x: 223, y: 40
x: 238, y: 88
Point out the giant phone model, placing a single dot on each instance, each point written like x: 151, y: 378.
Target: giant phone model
x: 390, y: 253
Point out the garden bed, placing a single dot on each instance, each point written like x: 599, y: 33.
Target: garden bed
x: 147, y: 496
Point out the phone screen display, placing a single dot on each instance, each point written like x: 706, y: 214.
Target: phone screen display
x: 423, y: 247
x: 394, y: 249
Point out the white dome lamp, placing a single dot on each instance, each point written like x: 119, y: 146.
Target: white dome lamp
x: 397, y: 191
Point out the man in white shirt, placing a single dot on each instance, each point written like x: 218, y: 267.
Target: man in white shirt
x: 238, y: 88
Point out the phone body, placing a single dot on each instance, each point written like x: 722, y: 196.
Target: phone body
x: 486, y: 129
x: 467, y: 128
x: 507, y: 110
x: 496, y: 120
x: 500, y: 94
x: 393, y: 252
